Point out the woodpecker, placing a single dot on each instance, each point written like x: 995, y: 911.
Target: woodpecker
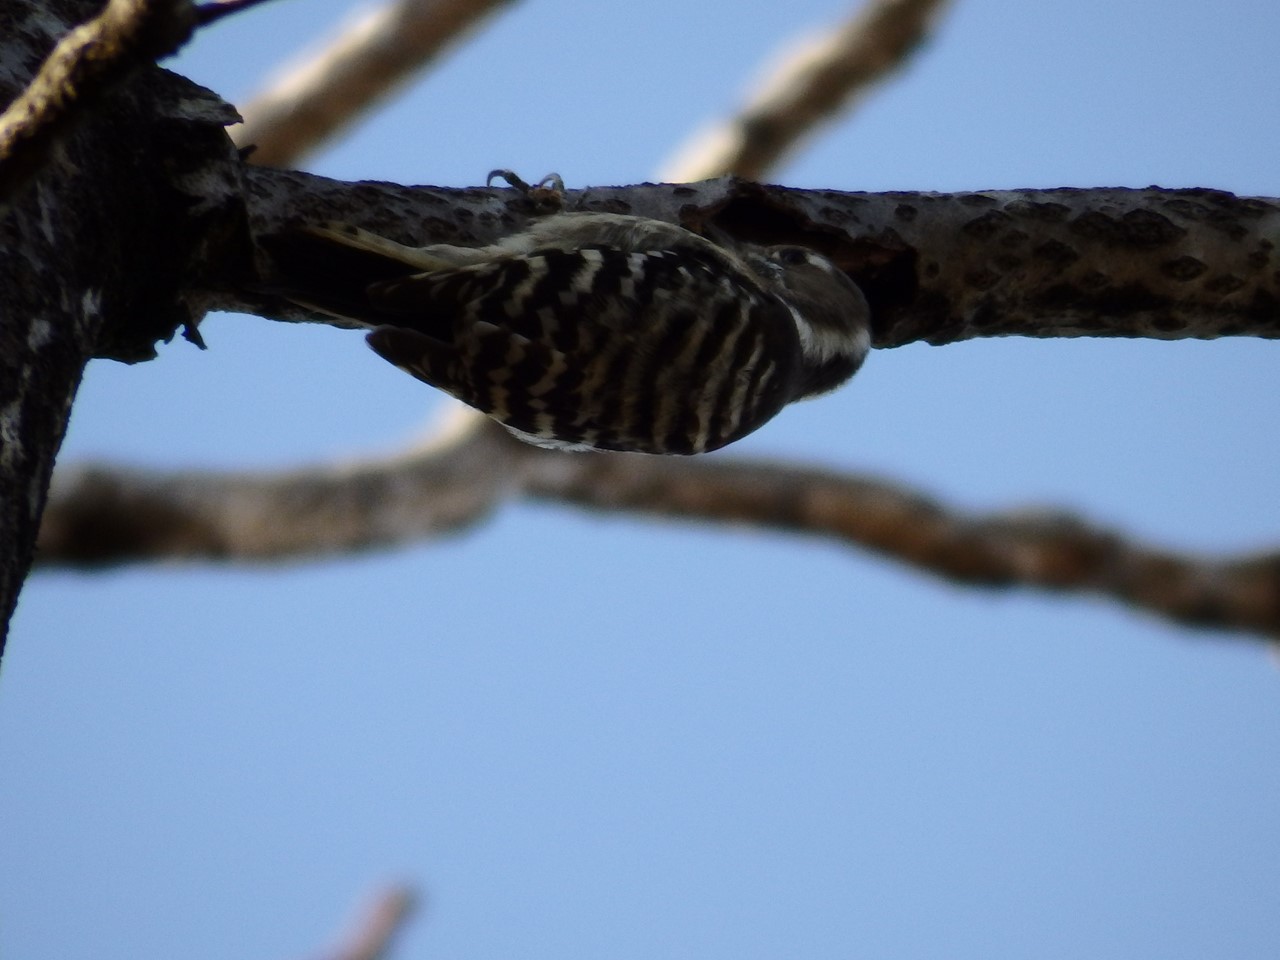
x: 595, y: 331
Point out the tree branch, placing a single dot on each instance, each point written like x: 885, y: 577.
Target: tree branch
x: 104, y: 516
x: 326, y: 89
x: 374, y: 934
x: 88, y: 62
x: 1166, y: 264
x: 1047, y: 549
x: 814, y: 83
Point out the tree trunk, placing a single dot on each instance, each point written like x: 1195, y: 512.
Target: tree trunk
x: 95, y: 253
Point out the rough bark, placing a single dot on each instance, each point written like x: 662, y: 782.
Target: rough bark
x: 1166, y: 264
x: 97, y: 254
x: 88, y: 63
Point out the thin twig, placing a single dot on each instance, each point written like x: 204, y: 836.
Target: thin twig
x: 815, y: 82
x: 328, y: 88
x: 215, y: 10
x: 371, y: 938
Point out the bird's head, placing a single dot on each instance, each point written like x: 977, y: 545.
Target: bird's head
x: 831, y: 315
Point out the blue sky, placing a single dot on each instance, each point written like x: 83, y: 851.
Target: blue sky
x: 588, y: 736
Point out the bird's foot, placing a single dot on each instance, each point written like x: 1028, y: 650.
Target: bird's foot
x: 547, y: 194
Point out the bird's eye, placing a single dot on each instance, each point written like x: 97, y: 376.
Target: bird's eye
x: 791, y: 255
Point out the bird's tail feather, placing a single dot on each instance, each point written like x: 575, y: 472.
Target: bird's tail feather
x: 329, y: 268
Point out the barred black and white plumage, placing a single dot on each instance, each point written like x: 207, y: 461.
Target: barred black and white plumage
x: 598, y: 331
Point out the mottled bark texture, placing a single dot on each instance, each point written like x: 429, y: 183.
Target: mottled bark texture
x: 98, y: 251
x: 1167, y: 264
x: 88, y: 63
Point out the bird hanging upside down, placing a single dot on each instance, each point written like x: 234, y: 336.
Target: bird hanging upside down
x: 595, y: 331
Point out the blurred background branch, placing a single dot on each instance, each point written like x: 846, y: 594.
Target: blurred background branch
x: 324, y: 90
x: 104, y: 516
x: 374, y: 933
x: 814, y: 82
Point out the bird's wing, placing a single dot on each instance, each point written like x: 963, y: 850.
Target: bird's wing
x: 548, y: 342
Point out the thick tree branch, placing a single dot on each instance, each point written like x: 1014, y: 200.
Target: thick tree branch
x: 814, y: 82
x: 105, y: 516
x: 365, y: 60
x: 1167, y: 264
